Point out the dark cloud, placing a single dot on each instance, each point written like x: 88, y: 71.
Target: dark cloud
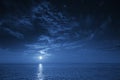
x: 39, y: 27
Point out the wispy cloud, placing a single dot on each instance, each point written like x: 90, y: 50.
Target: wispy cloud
x: 47, y: 28
x: 14, y: 33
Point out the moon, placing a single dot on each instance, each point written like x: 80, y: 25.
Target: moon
x: 40, y: 57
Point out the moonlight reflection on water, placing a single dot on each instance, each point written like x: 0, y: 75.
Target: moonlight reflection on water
x: 40, y: 72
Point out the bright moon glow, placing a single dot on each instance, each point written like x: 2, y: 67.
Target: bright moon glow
x: 40, y: 57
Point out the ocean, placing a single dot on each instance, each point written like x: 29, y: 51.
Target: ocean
x: 60, y: 71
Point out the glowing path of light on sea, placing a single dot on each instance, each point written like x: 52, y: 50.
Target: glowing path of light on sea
x: 40, y: 75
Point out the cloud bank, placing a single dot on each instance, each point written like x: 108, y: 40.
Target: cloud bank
x: 44, y: 27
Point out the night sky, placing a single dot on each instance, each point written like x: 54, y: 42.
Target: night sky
x: 60, y: 31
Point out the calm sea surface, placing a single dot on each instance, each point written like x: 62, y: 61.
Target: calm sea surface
x: 59, y: 71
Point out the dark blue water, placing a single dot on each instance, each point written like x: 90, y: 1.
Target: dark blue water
x: 59, y: 71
